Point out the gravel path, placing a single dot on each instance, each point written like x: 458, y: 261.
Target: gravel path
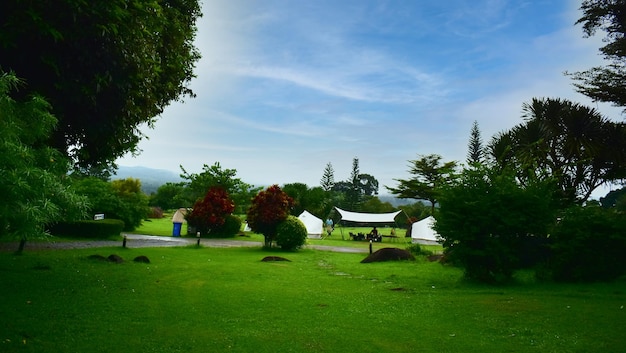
x: 153, y: 241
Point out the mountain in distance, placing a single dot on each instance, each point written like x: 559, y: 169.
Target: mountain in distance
x: 150, y: 178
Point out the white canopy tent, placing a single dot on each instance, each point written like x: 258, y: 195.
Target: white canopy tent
x: 314, y: 225
x: 367, y: 217
x: 422, y: 232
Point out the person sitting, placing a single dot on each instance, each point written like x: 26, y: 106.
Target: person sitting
x: 373, y: 235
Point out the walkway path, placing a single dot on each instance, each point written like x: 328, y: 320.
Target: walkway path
x: 152, y: 241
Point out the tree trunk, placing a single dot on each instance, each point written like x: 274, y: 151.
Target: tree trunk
x: 20, y: 248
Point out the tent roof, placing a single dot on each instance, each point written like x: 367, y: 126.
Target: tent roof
x: 367, y: 217
x: 423, y: 232
x: 314, y: 225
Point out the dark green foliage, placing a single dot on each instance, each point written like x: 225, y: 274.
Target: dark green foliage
x: 567, y: 142
x: 170, y: 196
x: 328, y: 178
x: 416, y: 249
x: 615, y: 199
x: 291, y: 234
x: 588, y: 244
x: 230, y: 228
x: 33, y: 177
x: 475, y: 150
x: 314, y: 200
x: 492, y: 226
x: 269, y: 208
x: 107, y: 67
x: 196, y: 186
x: 119, y: 199
x: 605, y: 83
x: 88, y: 229
x: 351, y: 193
x: 429, y: 176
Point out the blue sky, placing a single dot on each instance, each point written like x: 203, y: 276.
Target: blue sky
x: 286, y: 86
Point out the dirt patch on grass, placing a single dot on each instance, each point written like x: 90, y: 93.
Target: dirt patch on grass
x: 389, y: 254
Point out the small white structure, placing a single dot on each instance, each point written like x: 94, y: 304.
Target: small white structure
x: 422, y: 232
x: 314, y: 225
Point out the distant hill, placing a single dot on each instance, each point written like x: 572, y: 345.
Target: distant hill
x: 395, y: 202
x: 150, y: 178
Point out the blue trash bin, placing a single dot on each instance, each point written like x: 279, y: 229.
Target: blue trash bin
x: 177, y: 228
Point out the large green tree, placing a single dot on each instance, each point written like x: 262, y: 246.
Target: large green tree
x: 197, y: 185
x: 106, y: 67
x: 430, y: 174
x: 567, y: 141
x: 492, y: 225
x: 33, y: 177
x: 357, y: 189
x: 605, y: 83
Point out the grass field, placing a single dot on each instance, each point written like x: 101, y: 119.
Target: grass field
x: 227, y: 300
x: 339, y: 237
x: 197, y: 299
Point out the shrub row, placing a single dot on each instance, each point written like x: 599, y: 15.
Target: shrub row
x: 88, y: 229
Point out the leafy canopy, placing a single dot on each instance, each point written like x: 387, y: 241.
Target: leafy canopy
x: 210, y: 212
x: 429, y: 175
x: 605, y: 83
x: 33, y: 181
x: 106, y: 67
x: 567, y: 141
x: 269, y: 208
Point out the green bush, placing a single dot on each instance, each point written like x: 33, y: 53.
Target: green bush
x: 291, y: 233
x: 491, y: 225
x: 588, y: 244
x: 88, y: 229
x: 230, y: 228
x: 416, y: 250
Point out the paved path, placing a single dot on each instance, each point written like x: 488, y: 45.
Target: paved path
x: 152, y: 241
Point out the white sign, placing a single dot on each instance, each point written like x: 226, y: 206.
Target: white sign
x: 98, y: 216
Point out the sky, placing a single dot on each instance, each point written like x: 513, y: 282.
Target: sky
x: 285, y: 87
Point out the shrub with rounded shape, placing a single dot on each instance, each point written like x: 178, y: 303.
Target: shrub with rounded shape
x: 269, y: 208
x: 210, y: 213
x: 291, y: 233
x: 230, y: 228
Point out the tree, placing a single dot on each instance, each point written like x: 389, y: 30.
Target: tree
x: 353, y: 194
x: 567, y: 141
x: 133, y: 202
x: 199, y: 184
x: 269, y: 208
x: 356, y: 189
x: 374, y: 205
x: 328, y: 178
x: 608, y: 83
x: 118, y: 199
x: 492, y: 225
x: 476, y: 152
x: 429, y: 175
x: 106, y: 68
x: 33, y: 178
x: 169, y: 196
x: 210, y: 212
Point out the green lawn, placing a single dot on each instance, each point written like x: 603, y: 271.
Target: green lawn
x: 227, y: 300
x: 339, y: 237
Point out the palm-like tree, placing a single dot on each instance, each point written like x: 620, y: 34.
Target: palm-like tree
x: 571, y: 143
